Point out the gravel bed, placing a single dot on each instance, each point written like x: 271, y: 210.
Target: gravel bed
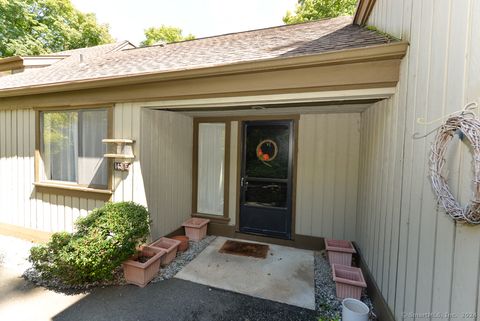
x: 55, y: 285
x: 183, y: 258
x: 327, y: 305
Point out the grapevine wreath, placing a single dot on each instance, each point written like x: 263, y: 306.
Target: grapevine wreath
x: 468, y: 126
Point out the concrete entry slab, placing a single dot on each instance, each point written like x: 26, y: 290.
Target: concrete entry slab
x: 286, y: 275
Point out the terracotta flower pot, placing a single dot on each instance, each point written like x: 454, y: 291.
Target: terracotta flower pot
x: 349, y: 281
x: 196, y: 228
x: 183, y: 242
x: 139, y: 273
x: 170, y: 246
x: 339, y: 251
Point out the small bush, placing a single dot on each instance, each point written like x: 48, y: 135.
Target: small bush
x: 103, y: 240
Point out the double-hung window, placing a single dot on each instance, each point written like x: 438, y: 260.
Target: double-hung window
x: 71, y: 147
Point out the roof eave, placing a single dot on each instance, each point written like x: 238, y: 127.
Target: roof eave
x: 377, y: 52
x: 18, y: 62
x: 11, y: 63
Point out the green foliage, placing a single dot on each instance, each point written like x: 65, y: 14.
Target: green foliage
x: 382, y: 33
x: 55, y: 127
x: 33, y: 27
x: 104, y: 239
x: 164, y: 33
x: 309, y: 10
x: 327, y: 312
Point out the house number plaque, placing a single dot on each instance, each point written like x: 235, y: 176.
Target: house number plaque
x: 121, y: 166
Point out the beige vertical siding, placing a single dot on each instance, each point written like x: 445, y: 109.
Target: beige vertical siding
x: 327, y: 175
x: 22, y: 205
x: 421, y: 260
x: 129, y: 185
x: 16, y: 154
x: 166, y: 159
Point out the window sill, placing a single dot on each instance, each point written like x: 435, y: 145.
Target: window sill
x: 213, y: 218
x: 74, y: 191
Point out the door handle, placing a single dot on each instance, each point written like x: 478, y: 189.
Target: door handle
x: 243, y: 183
x: 271, y: 186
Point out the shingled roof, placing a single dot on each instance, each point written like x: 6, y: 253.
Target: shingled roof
x: 278, y: 42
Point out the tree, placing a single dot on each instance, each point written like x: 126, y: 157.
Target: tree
x: 309, y: 10
x: 164, y: 33
x: 34, y: 27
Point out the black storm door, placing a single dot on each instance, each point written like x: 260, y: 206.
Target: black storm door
x: 266, y: 178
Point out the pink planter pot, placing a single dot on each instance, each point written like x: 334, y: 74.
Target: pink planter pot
x: 349, y: 281
x: 141, y: 273
x: 339, y: 251
x: 196, y: 228
x: 169, y: 246
x: 183, y: 242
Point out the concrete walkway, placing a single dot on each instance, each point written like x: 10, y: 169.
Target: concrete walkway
x: 20, y: 300
x: 286, y: 275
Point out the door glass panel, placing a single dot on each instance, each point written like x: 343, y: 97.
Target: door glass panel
x: 267, y: 151
x: 266, y: 194
x: 211, y: 171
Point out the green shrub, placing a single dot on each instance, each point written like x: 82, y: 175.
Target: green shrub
x: 103, y: 240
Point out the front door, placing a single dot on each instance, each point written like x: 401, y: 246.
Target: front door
x: 266, y: 178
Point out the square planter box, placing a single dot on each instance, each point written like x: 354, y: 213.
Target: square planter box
x: 141, y: 273
x: 183, y: 239
x: 196, y: 228
x: 169, y: 246
x: 339, y: 251
x: 349, y: 281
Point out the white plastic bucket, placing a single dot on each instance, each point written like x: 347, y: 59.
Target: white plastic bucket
x: 354, y: 310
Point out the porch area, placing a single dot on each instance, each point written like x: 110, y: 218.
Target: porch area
x: 279, y: 172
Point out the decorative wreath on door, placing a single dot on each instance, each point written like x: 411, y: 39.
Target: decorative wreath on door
x: 467, y: 125
x: 267, y: 151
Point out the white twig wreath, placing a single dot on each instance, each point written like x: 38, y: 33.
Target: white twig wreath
x: 467, y: 124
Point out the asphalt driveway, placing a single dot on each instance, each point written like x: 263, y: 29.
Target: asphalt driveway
x: 177, y: 299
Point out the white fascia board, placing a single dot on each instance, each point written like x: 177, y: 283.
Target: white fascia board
x: 307, y: 97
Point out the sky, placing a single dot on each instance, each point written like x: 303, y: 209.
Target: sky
x: 128, y: 19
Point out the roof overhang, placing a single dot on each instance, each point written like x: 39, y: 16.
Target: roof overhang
x: 362, y: 68
x: 335, y: 96
x: 11, y: 63
x: 19, y: 62
x: 42, y: 61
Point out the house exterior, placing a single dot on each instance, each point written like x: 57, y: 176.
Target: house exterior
x: 287, y: 135
x: 425, y: 265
